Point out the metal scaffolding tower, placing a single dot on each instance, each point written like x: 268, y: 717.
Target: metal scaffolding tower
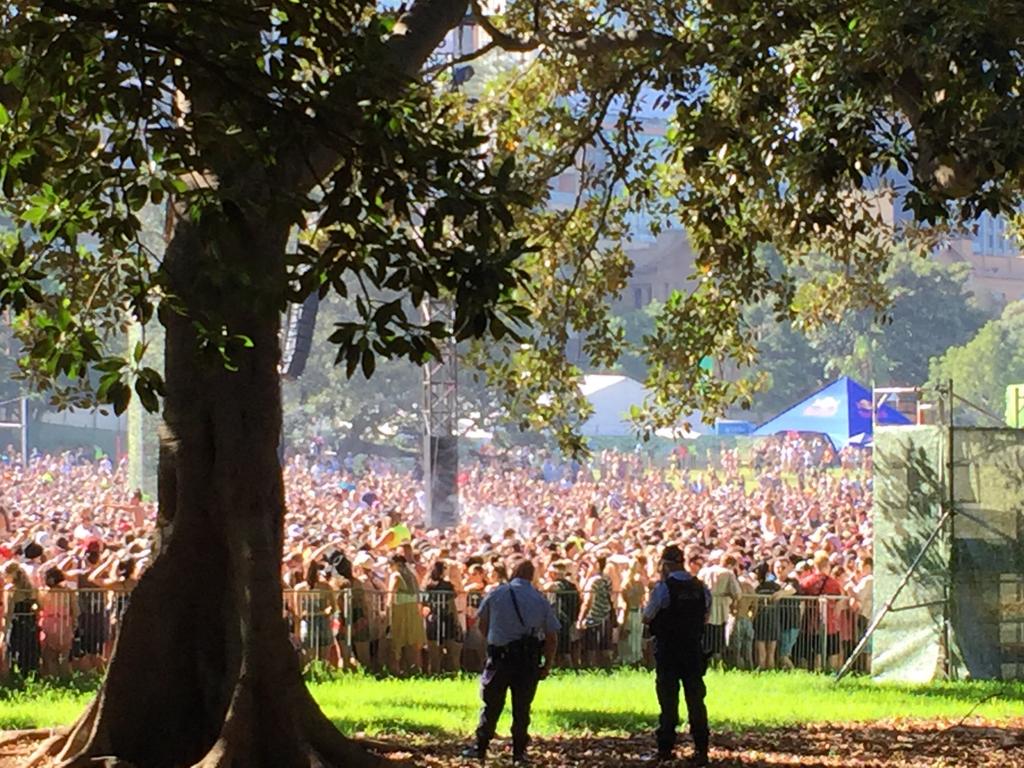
x: 440, y: 377
x: 440, y: 421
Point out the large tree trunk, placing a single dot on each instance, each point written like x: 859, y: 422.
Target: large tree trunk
x: 204, y: 673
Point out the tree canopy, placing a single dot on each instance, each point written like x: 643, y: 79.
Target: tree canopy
x: 929, y: 309
x: 784, y: 125
x: 321, y: 146
x: 108, y: 108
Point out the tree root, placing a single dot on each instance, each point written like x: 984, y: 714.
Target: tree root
x: 223, y: 756
x: 322, y: 746
x: 318, y: 744
x: 314, y: 759
x: 49, y: 749
x: 30, y: 733
x: 98, y: 762
x: 233, y: 732
x: 63, y: 744
x: 81, y: 733
x: 303, y: 737
x: 329, y: 742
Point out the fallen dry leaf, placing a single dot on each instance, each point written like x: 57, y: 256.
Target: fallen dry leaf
x: 884, y: 744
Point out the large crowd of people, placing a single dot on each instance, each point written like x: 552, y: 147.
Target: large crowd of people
x: 781, y: 535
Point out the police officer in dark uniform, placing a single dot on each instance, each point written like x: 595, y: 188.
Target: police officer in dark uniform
x: 676, y: 615
x: 522, y: 632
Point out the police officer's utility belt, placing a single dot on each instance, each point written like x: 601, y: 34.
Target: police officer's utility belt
x: 525, y: 649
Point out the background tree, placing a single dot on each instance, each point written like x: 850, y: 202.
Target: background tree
x: 982, y: 368
x: 792, y: 367
x: 929, y: 310
x: 366, y: 413
x: 9, y: 353
x: 262, y: 117
x: 382, y: 415
x: 636, y: 324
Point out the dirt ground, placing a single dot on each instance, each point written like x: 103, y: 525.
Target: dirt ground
x: 899, y: 744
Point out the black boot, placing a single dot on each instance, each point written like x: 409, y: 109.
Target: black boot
x: 699, y: 759
x: 475, y: 752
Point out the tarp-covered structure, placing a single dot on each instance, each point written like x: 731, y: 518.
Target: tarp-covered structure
x: 840, y: 411
x: 962, y: 611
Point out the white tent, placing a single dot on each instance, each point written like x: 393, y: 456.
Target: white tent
x: 612, y: 397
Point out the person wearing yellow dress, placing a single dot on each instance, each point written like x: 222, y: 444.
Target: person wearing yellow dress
x: 408, y: 633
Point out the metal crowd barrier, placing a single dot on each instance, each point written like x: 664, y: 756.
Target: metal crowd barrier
x: 61, y: 628
x: 786, y: 631
x: 56, y: 628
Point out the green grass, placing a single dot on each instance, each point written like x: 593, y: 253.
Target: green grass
x: 617, y: 703
x: 44, y: 704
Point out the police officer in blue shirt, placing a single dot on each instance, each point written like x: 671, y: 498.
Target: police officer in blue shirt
x: 522, y: 631
x: 676, y: 615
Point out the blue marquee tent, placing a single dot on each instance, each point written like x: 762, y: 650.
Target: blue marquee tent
x: 840, y: 410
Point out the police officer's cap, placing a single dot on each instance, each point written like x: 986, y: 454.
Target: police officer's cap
x: 672, y: 554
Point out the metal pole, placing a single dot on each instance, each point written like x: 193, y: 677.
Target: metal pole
x: 947, y: 633
x: 889, y: 603
x: 24, y: 432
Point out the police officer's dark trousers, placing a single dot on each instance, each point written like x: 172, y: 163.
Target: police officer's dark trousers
x: 504, y: 672
x: 671, y: 669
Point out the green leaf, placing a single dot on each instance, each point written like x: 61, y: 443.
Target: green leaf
x: 369, y: 362
x: 13, y: 74
x: 35, y: 214
x: 147, y: 396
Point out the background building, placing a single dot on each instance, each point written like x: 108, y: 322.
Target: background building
x: 661, y: 265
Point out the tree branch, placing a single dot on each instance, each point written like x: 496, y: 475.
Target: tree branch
x: 420, y: 30
x: 627, y: 40
x: 950, y: 176
x: 578, y: 43
x: 465, y: 59
x: 258, y: 88
x: 416, y: 35
x: 503, y: 39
